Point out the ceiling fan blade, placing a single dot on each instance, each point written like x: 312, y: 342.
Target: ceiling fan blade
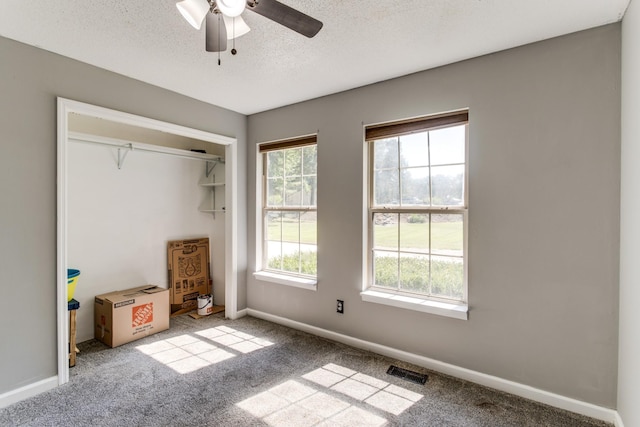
x: 216, y: 33
x: 287, y: 16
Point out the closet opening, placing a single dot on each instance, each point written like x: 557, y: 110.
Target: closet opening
x: 126, y: 186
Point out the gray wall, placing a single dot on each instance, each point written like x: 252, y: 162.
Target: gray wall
x: 544, y: 174
x: 30, y: 81
x: 629, y: 349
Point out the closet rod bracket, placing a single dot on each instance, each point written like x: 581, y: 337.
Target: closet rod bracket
x: 210, y: 165
x: 122, y: 154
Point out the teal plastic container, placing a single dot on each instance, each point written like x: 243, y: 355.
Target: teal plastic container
x: 72, y: 281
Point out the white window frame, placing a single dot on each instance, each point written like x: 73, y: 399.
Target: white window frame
x: 263, y: 273
x: 457, y: 309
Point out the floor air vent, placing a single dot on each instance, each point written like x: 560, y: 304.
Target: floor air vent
x: 406, y: 374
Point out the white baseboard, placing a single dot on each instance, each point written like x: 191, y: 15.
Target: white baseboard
x: 242, y: 313
x: 27, y: 391
x: 522, y: 390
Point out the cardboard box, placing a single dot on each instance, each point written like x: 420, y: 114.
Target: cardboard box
x: 125, y: 316
x: 188, y: 272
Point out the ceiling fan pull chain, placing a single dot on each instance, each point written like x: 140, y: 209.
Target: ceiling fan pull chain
x: 219, y: 36
x: 233, y: 49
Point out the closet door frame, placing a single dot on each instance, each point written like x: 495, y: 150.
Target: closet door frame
x: 67, y: 106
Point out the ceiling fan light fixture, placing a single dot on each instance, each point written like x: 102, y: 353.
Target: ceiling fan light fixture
x: 231, y: 8
x: 223, y: 21
x: 236, y: 27
x: 193, y: 11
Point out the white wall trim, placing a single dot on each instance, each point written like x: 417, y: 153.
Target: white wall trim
x: 140, y: 121
x: 411, y: 302
x: 287, y: 280
x: 62, y: 315
x: 522, y: 390
x: 27, y: 391
x: 231, y: 232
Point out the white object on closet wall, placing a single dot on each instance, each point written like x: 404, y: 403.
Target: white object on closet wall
x: 214, y: 200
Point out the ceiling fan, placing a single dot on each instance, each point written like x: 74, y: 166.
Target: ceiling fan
x: 223, y: 21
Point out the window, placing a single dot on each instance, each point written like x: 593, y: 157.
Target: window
x: 418, y: 208
x: 289, y: 207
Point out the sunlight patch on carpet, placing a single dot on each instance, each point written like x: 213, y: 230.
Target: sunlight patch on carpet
x: 236, y: 340
x: 188, y: 353
x: 308, y: 402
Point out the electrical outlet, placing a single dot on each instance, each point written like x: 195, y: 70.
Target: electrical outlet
x: 340, y: 306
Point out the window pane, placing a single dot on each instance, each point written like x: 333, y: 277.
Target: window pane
x: 309, y: 156
x: 273, y: 245
x: 414, y: 150
x: 414, y: 232
x: 275, y: 164
x: 447, y: 236
x: 293, y: 191
x: 447, y: 276
x: 309, y: 262
x: 447, y: 185
x: 385, y: 231
x: 387, y: 188
x: 274, y: 226
x: 292, y: 242
x: 309, y: 191
x: 291, y: 261
x: 290, y: 231
x: 293, y: 162
x: 415, y: 187
x: 274, y: 258
x: 275, y: 188
x: 414, y: 273
x: 447, y: 145
x: 386, y: 269
x: 308, y: 230
x: 385, y: 153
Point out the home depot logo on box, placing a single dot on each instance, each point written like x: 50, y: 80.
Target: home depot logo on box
x: 142, y: 314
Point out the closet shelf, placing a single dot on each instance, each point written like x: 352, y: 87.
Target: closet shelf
x: 211, y: 186
x: 124, y: 147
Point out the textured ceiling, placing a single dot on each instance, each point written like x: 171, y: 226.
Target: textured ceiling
x: 362, y: 42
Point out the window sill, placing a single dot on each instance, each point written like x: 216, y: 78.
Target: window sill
x: 283, y: 279
x: 455, y: 311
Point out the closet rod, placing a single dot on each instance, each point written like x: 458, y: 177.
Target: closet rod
x: 121, y: 144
